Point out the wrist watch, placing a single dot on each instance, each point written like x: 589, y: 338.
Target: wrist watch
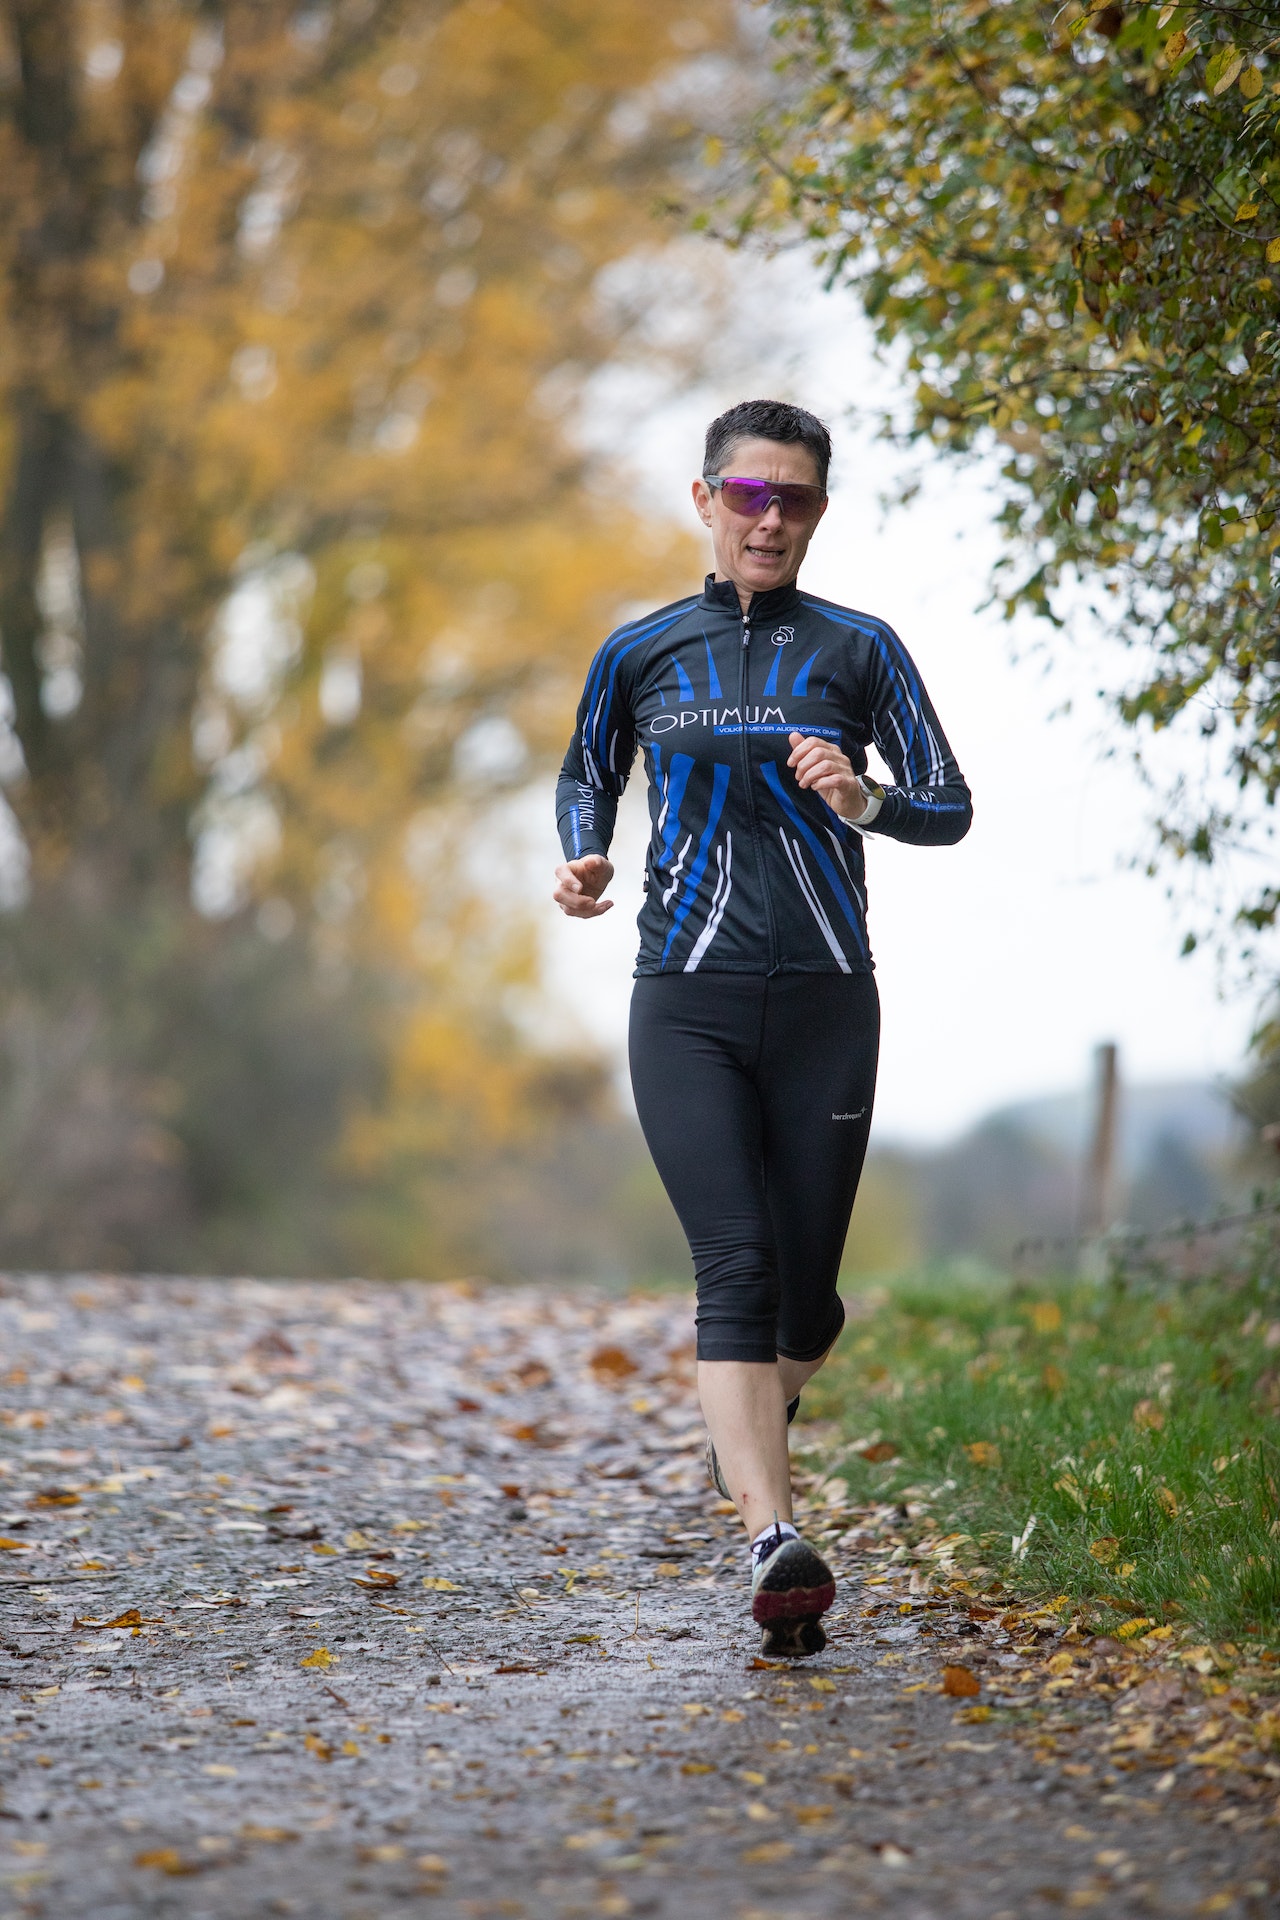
x: 873, y: 794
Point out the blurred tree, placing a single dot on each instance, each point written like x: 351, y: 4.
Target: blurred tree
x: 299, y: 562
x: 1070, y: 216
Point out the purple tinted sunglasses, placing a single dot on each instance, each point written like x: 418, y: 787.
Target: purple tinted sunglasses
x: 751, y: 498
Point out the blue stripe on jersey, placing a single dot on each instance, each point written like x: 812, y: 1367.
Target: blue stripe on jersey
x: 677, y: 781
x: 713, y: 678
x: 683, y: 681
x: 771, y: 684
x: 632, y: 636
x: 773, y: 780
x: 800, y: 685
x: 906, y: 690
x: 693, y: 879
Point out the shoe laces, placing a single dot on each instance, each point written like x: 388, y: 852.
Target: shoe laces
x: 763, y: 1549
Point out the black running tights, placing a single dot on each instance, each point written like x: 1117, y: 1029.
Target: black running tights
x: 755, y: 1098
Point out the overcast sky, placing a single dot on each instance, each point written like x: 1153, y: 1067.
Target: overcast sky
x: 1002, y: 962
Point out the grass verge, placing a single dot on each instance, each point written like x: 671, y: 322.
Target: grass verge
x: 1112, y: 1442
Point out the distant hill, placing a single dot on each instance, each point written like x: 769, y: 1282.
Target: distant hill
x: 1017, y: 1174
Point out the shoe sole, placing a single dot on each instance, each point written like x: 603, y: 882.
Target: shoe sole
x: 792, y: 1640
x: 797, y: 1585
x: 713, y: 1471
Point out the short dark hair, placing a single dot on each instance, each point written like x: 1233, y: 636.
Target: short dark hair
x: 768, y: 420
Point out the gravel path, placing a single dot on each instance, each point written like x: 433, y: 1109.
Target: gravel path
x: 365, y: 1601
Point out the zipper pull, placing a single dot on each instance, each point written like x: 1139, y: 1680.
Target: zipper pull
x: 746, y: 629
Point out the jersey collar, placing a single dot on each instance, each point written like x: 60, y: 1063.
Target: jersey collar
x: 764, y: 606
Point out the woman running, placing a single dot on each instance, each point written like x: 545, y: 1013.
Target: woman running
x: 754, y: 1017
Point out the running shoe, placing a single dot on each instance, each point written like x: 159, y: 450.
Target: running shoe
x: 713, y: 1471
x: 791, y: 1588
x: 713, y: 1465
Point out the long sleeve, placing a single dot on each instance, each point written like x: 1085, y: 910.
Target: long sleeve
x: 929, y: 804
x: 598, y: 763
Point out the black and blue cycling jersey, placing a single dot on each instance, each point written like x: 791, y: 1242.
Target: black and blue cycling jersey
x: 747, y: 872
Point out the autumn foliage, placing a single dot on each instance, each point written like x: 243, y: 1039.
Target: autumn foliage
x: 299, y: 563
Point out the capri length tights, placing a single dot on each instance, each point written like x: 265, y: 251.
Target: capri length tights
x: 755, y: 1097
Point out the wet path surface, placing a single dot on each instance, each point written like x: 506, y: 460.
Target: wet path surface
x: 365, y: 1601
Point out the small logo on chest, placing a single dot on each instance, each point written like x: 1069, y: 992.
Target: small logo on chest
x: 781, y: 635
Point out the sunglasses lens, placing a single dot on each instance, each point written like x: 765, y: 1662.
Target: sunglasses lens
x: 752, y: 497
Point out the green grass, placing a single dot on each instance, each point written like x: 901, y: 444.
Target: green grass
x: 1137, y: 1423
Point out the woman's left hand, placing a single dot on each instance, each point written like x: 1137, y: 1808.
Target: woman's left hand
x: 821, y: 765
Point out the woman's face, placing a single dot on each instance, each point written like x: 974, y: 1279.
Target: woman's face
x: 758, y: 554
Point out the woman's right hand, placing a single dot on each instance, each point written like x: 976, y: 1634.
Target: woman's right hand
x: 579, y: 884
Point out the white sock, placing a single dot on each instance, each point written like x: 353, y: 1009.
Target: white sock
x: 770, y: 1533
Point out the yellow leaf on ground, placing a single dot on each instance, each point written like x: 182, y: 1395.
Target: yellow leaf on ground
x: 1132, y: 1627
x: 697, y: 1766
x: 165, y: 1860
x: 823, y: 1686
x: 668, y: 1569
x: 1167, y: 1501
x: 960, y: 1682
x: 431, y: 1863
x: 15, y: 1546
x: 1105, y: 1549
x: 437, y: 1585
x: 769, y: 1854
x: 1046, y: 1316
x: 810, y: 1816
x: 1149, y: 1415
x: 320, y: 1658
x: 983, y: 1453
x: 218, y: 1772
x: 266, y: 1836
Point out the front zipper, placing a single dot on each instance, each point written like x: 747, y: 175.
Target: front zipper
x: 744, y: 658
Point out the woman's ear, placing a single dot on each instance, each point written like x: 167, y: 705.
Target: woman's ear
x: 702, y: 501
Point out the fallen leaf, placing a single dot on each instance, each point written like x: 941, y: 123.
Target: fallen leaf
x: 810, y: 1816
x: 1052, y: 1379
x: 314, y: 1744
x: 375, y: 1577
x: 217, y: 1772
x: 130, y: 1619
x: 973, y: 1716
x: 165, y: 1860
x: 768, y: 1854
x: 385, y: 1856
x: 878, y: 1450
x: 1105, y: 1549
x: 960, y: 1682
x: 667, y: 1568
x: 431, y: 1863
x: 753, y: 1779
x: 697, y: 1766
x: 54, y: 1497
x: 581, y: 1639
x: 823, y: 1686
x: 1061, y: 1662
x: 435, y: 1584
x: 15, y: 1546
x: 1167, y: 1501
x: 320, y: 1658
x: 1046, y: 1316
x: 983, y: 1453
x: 357, y: 1542
x: 532, y: 1373
x: 1132, y: 1627
x: 612, y: 1363
x: 1149, y: 1416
